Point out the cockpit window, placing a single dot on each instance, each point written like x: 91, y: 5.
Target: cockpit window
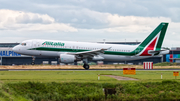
x: 23, y: 44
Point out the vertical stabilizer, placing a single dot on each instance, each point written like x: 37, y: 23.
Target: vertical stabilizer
x: 154, y: 41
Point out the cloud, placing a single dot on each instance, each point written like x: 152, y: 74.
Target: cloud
x: 54, y: 27
x: 26, y: 21
x: 133, y: 23
x: 118, y: 20
x: 130, y: 28
x: 118, y: 23
x: 85, y: 20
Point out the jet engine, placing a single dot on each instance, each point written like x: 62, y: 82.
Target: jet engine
x: 66, y: 58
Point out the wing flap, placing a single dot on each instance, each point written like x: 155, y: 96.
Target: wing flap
x: 89, y: 54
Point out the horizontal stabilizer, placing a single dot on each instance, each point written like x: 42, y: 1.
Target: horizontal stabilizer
x: 158, y: 52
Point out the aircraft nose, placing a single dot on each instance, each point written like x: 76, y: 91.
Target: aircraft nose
x: 15, y: 48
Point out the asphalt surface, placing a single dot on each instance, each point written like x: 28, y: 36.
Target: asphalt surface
x: 86, y: 70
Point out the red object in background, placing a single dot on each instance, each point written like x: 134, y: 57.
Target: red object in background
x: 148, y: 65
x: 129, y: 68
x: 171, y: 56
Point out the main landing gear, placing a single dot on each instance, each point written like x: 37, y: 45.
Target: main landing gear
x: 86, y: 66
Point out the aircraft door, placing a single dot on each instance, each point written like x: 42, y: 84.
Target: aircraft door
x: 33, y: 44
x: 34, y: 47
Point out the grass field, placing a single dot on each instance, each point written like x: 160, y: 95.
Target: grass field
x: 82, y: 76
x: 84, y: 85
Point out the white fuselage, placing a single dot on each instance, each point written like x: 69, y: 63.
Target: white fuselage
x: 46, y: 48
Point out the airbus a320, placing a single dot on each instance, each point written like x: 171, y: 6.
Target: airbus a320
x: 70, y: 52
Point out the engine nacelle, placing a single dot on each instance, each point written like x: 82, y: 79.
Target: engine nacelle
x: 65, y: 58
x: 97, y: 58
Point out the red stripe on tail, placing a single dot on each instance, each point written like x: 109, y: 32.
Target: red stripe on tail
x: 150, y: 47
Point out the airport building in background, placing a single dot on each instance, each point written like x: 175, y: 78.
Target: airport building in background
x: 173, y: 56
x: 8, y: 57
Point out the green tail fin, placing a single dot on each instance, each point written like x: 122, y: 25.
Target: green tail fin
x: 161, y: 37
x: 162, y: 29
x: 153, y: 41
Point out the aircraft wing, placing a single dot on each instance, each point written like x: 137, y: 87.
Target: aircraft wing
x: 89, y: 54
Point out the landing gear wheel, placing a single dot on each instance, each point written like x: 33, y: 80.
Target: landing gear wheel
x: 86, y: 66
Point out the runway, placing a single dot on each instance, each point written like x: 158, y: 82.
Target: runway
x: 86, y: 70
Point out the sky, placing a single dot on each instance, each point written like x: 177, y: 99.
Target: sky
x: 88, y: 20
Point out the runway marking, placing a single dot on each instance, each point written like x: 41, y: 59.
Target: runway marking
x: 120, y: 77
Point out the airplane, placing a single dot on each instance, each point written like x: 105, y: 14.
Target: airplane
x: 70, y: 52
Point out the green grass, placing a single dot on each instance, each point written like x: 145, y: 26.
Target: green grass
x: 52, y: 91
x: 52, y: 76
x: 166, y: 64
x: 84, y: 85
x: 58, y: 91
x: 81, y: 76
